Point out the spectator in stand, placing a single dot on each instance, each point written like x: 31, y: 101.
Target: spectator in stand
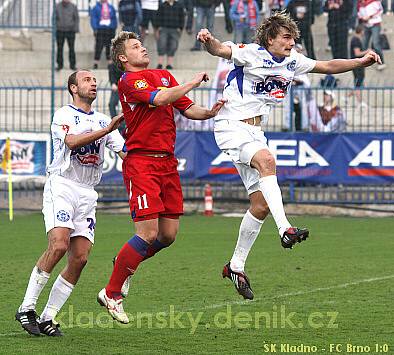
x: 170, y: 21
x: 386, y: 8
x: 370, y: 15
x: 104, y: 23
x: 67, y: 25
x: 303, y: 13
x: 114, y: 75
x: 149, y: 15
x: 332, y: 117
x: 275, y: 5
x: 189, y: 9
x: 245, y: 15
x: 226, y: 7
x: 205, y: 18
x: 356, y: 51
x: 339, y: 15
x: 130, y: 15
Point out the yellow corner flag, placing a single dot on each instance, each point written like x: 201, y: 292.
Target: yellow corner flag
x: 7, y: 168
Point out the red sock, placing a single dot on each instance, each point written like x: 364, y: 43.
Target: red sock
x: 127, y: 261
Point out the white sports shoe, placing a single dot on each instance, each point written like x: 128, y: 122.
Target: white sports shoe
x: 125, y: 287
x: 114, y: 307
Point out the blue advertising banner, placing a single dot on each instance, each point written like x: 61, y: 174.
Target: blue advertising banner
x: 347, y: 158
x: 30, y: 153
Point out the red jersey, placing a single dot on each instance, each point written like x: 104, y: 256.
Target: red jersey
x: 149, y: 128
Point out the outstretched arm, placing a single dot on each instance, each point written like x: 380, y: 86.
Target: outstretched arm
x: 74, y: 141
x: 170, y: 95
x: 214, y: 46
x: 336, y: 66
x: 196, y: 112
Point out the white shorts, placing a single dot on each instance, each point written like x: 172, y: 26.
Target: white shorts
x: 71, y: 205
x: 241, y: 141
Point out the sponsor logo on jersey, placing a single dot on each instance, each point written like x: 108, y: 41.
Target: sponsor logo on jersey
x: 77, y: 120
x: 241, y: 45
x: 63, y: 216
x: 267, y: 63
x: 274, y: 86
x: 140, y: 84
x: 89, y: 154
x: 65, y: 128
x: 165, y: 81
x: 103, y: 124
x: 291, y: 65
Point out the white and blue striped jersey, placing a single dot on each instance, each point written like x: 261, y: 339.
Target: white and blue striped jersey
x: 83, y: 165
x: 258, y: 80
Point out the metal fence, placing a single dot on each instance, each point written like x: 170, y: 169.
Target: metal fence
x: 27, y: 107
x: 32, y: 14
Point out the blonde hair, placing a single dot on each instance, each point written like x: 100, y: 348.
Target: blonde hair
x: 118, y: 47
x: 271, y: 27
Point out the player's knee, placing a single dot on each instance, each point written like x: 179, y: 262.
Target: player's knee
x: 149, y: 235
x: 265, y: 163
x: 80, y: 261
x: 58, y: 248
x: 269, y: 162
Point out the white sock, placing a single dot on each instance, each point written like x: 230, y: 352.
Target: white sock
x: 248, y: 232
x: 37, y: 281
x: 272, y: 194
x: 61, y: 291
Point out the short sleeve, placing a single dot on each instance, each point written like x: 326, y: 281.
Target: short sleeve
x: 242, y: 54
x: 303, y: 64
x: 135, y: 89
x: 115, y: 141
x: 62, y: 124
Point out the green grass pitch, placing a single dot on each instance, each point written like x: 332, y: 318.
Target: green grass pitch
x: 331, y: 293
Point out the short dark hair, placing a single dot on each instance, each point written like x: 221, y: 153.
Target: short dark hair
x: 118, y: 47
x: 72, y: 80
x: 271, y: 27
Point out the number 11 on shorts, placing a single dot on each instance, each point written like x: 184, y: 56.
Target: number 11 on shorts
x: 142, y: 202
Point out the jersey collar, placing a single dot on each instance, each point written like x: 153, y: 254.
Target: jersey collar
x: 82, y: 111
x: 275, y: 59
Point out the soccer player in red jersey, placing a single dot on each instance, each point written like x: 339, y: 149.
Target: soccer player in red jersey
x: 150, y: 174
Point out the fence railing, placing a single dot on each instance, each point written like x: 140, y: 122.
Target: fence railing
x: 32, y: 14
x: 27, y: 107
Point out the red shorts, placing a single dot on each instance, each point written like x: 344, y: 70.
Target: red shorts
x: 153, y: 186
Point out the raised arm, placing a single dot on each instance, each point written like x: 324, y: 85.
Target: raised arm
x: 214, y: 46
x: 336, y: 66
x: 170, y: 95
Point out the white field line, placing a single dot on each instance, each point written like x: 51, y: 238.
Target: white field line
x: 283, y: 295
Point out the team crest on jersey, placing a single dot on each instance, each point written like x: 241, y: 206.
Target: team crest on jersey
x: 141, y: 84
x: 65, y: 128
x: 291, y: 66
x: 267, y: 63
x: 63, y: 216
x: 165, y: 81
x: 77, y: 120
x: 103, y: 124
x: 241, y: 45
x: 274, y: 86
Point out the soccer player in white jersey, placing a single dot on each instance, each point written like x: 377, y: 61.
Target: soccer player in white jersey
x: 261, y: 77
x: 79, y: 136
